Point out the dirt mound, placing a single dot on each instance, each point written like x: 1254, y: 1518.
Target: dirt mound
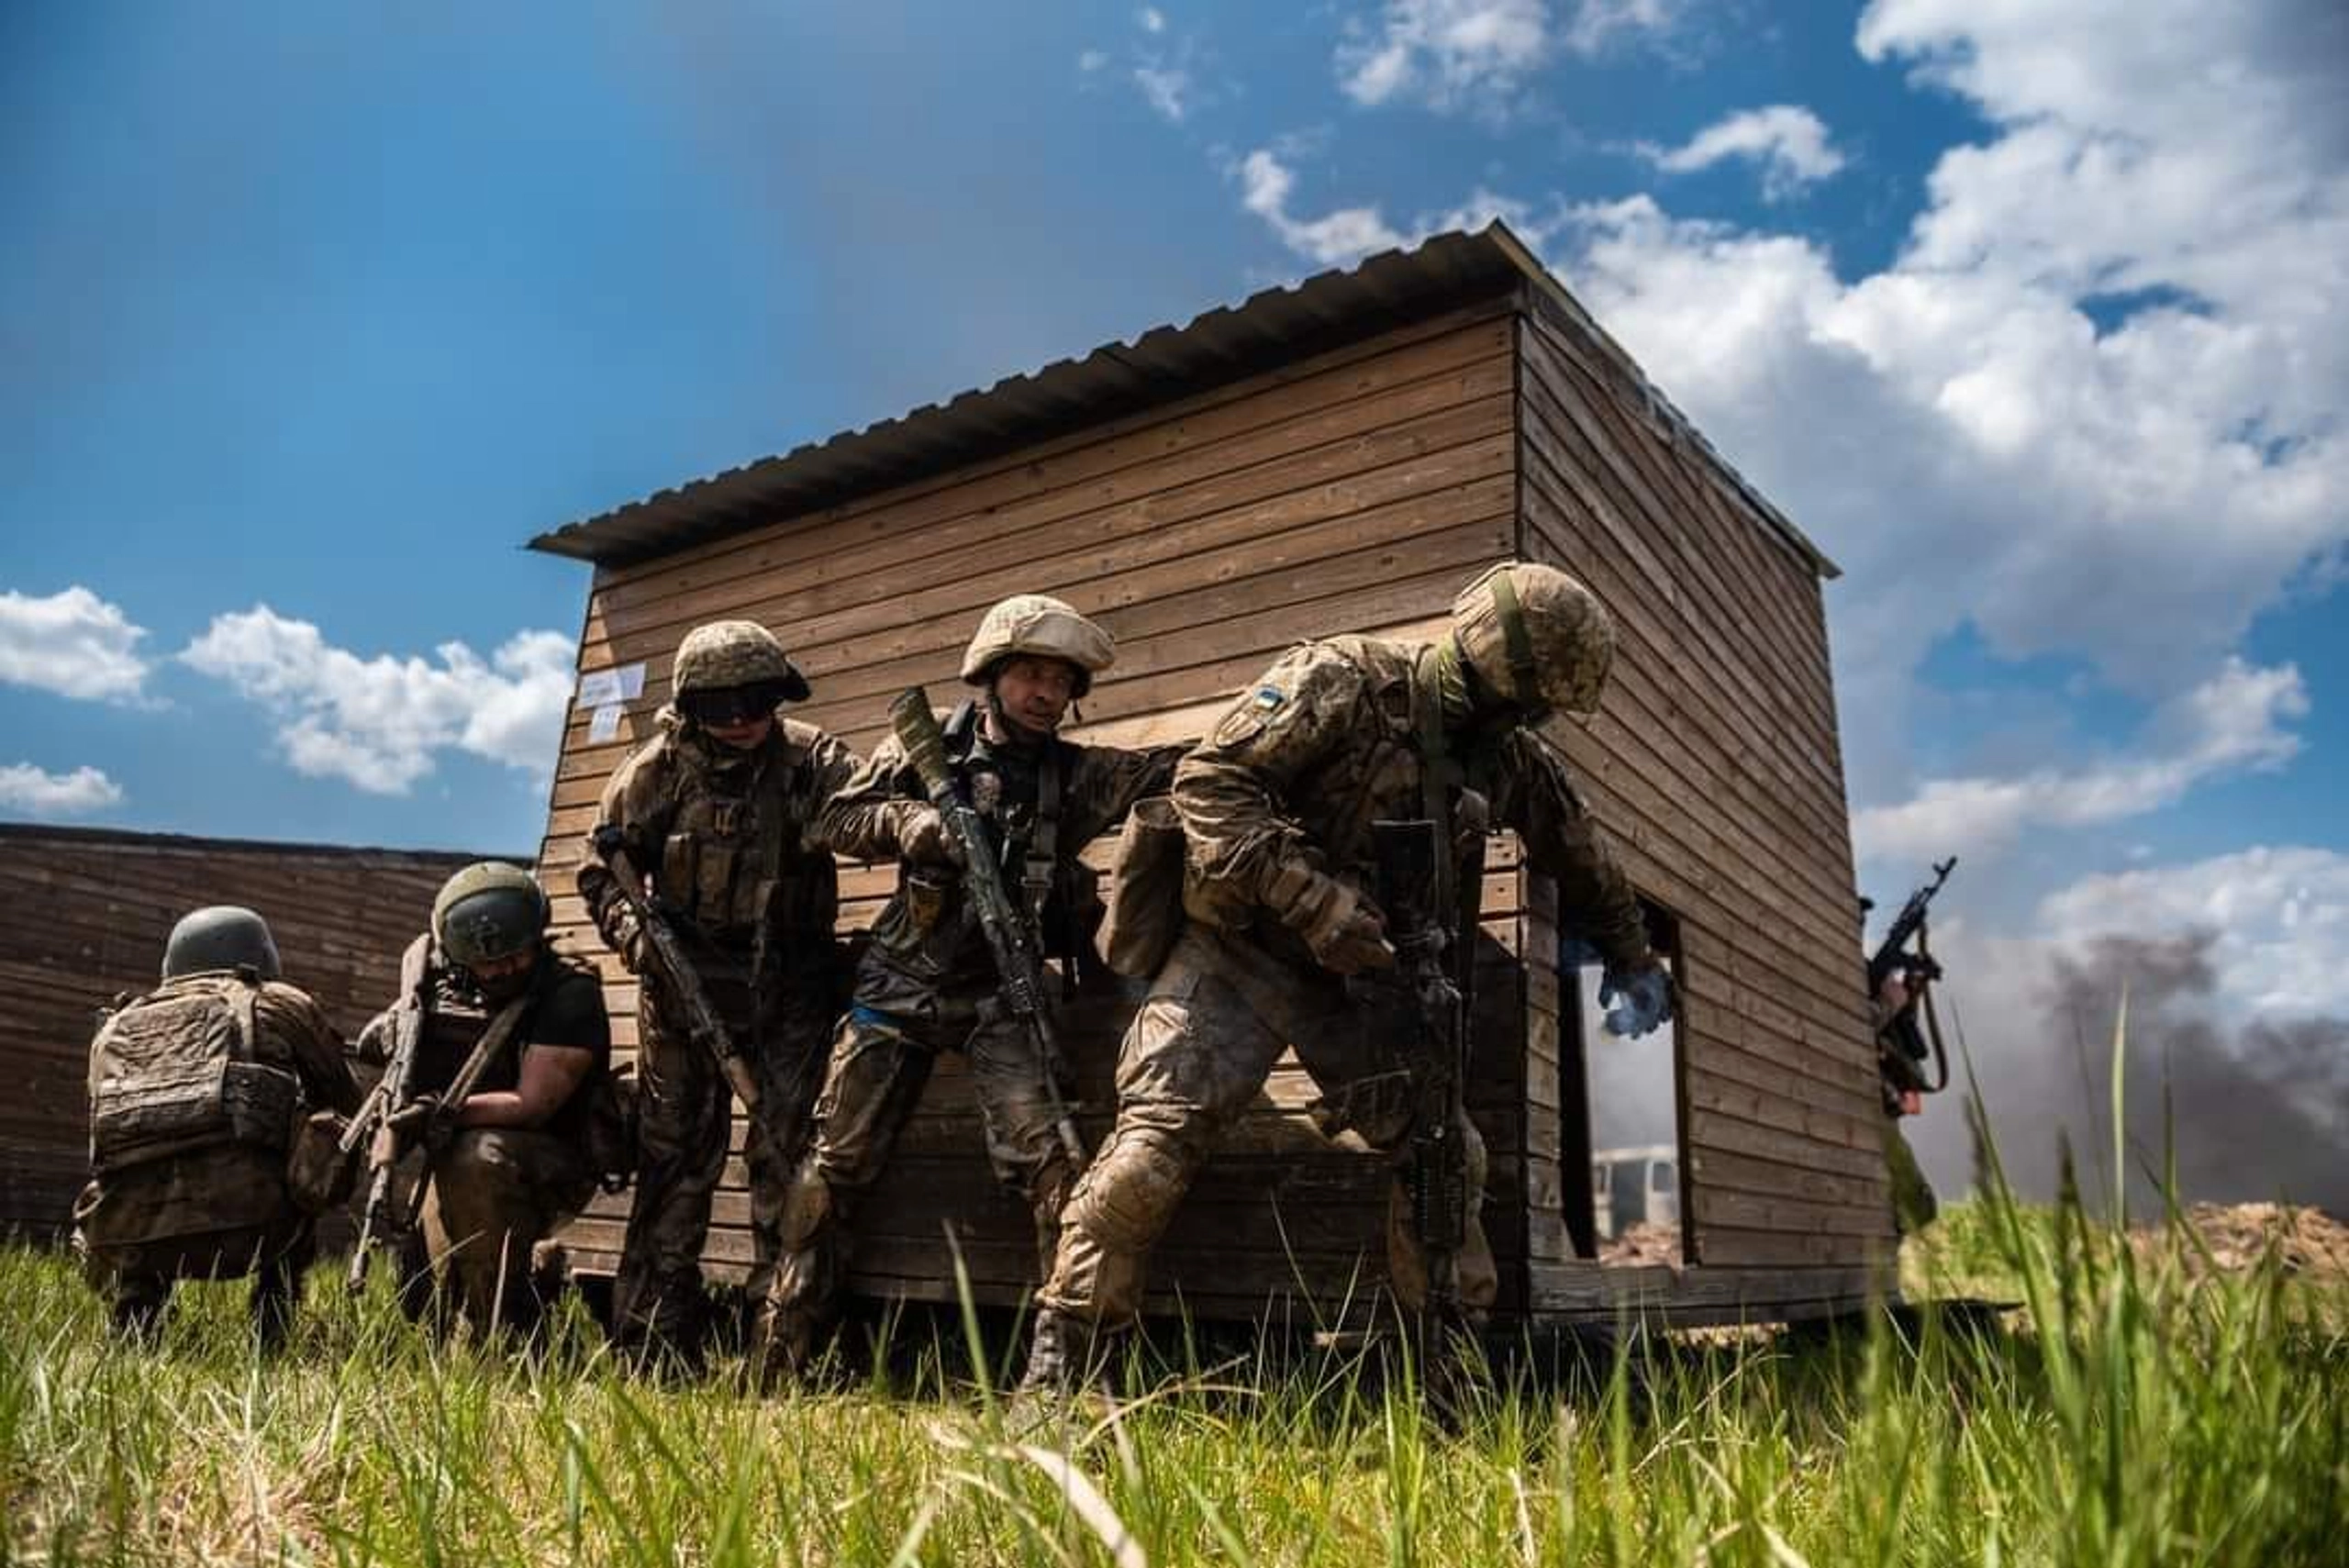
x: 2308, y: 1241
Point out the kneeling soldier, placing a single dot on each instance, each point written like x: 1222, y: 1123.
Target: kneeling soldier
x: 512, y: 1056
x: 930, y: 981
x: 707, y: 832
x: 1280, y: 894
x: 197, y: 1090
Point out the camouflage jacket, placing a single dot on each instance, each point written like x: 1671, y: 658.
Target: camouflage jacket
x: 229, y: 1186
x: 727, y: 837
x: 927, y: 931
x: 1328, y: 742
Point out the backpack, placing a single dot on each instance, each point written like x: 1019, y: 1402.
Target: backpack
x: 174, y: 1072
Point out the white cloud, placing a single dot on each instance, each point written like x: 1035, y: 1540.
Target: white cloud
x: 2278, y: 917
x: 1333, y: 240
x: 1150, y: 19
x: 1445, y: 52
x: 35, y: 793
x: 1595, y: 25
x: 1788, y: 142
x: 1164, y: 87
x: 1091, y: 61
x: 73, y: 644
x: 2230, y: 723
x: 376, y: 723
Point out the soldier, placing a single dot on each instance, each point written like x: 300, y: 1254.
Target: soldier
x: 929, y: 982
x: 715, y: 814
x: 196, y: 1089
x: 519, y: 1154
x: 1278, y: 806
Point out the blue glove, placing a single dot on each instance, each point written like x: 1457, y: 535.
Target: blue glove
x: 1646, y: 999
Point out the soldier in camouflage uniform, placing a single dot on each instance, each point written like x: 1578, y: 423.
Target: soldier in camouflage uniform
x: 1276, y: 806
x: 196, y: 1089
x: 928, y: 982
x: 518, y: 1159
x: 717, y: 810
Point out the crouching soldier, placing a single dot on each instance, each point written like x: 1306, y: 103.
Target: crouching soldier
x: 509, y: 1093
x: 930, y: 981
x: 704, y: 873
x: 1278, y: 806
x: 197, y: 1091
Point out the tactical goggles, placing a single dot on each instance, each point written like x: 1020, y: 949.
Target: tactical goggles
x: 728, y: 706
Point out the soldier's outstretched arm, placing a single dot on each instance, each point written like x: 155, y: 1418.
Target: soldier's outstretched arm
x: 1111, y: 779
x: 636, y: 802
x: 1535, y: 794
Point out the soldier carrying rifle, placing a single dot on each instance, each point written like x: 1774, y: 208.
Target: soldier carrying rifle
x: 1287, y: 944
x: 705, y: 874
x: 496, y: 1065
x: 953, y: 964
x: 1901, y: 981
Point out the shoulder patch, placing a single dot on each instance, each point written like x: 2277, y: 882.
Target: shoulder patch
x: 1267, y: 698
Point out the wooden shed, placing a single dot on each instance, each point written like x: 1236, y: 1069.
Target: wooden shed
x: 83, y: 915
x: 1342, y: 455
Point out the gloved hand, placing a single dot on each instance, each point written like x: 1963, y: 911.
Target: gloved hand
x: 415, y: 1118
x: 1646, y: 999
x: 627, y: 938
x: 922, y: 838
x: 1342, y: 927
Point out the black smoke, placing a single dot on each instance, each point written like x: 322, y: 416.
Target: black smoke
x: 2242, y: 1111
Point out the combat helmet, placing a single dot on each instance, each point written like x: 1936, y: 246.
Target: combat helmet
x: 1536, y: 637
x: 220, y: 936
x: 726, y: 655
x: 1038, y: 626
x: 488, y: 912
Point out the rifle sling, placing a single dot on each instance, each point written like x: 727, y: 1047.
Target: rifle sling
x: 1438, y: 771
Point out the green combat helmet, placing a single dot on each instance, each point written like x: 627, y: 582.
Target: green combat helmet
x: 488, y: 912
x: 730, y: 654
x: 1038, y: 626
x: 1536, y: 637
x: 217, y: 937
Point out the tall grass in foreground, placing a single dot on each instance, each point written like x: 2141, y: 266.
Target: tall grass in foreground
x: 2133, y: 1414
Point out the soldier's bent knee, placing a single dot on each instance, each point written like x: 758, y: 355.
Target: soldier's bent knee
x: 1131, y: 1189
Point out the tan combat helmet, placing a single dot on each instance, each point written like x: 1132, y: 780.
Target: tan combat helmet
x: 1536, y: 637
x: 726, y: 654
x: 1038, y: 627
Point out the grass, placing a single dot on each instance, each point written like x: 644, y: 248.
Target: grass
x: 2134, y: 1415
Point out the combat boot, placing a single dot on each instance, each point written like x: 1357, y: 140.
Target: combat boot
x: 783, y: 1349
x: 1064, y: 1378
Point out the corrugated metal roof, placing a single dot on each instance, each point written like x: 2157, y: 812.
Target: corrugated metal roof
x: 1117, y: 379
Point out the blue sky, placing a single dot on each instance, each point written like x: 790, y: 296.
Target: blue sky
x: 309, y: 315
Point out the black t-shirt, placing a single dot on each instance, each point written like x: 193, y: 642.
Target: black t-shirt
x: 567, y: 1013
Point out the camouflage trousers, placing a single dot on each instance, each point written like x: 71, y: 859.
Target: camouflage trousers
x: 495, y: 1193
x: 1216, y: 1018
x: 685, y: 1130
x: 217, y: 1214
x: 881, y: 1059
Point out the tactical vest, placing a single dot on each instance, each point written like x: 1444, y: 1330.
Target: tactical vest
x: 736, y: 854
x: 187, y: 1067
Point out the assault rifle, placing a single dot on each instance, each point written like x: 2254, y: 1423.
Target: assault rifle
x: 384, y: 1125
x: 371, y: 1127
x: 1408, y: 857
x: 1018, y: 965
x: 1901, y: 1048
x: 676, y: 970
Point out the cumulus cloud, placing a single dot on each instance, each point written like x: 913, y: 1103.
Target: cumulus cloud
x: 37, y: 793
x: 377, y: 723
x: 1333, y: 240
x: 2232, y: 722
x: 1165, y: 89
x: 1788, y: 142
x: 73, y: 644
x: 1445, y: 52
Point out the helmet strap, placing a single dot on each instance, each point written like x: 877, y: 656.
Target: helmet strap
x: 1516, y: 644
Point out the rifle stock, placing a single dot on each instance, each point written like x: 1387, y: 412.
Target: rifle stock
x: 1408, y: 859
x: 371, y: 1126
x: 1020, y: 969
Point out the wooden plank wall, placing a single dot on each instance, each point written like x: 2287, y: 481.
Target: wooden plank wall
x: 1350, y: 492
x: 1715, y: 763
x: 85, y: 916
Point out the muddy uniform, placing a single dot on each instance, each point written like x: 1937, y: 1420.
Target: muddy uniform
x: 519, y: 1182
x: 1276, y: 806
x: 929, y: 982
x: 725, y: 836
x: 204, y: 1198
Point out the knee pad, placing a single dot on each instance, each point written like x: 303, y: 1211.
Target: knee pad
x: 807, y: 1208
x: 1131, y: 1189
